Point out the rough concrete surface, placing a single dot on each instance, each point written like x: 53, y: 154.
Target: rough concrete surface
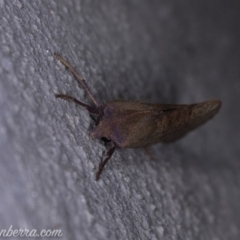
x: 162, y: 51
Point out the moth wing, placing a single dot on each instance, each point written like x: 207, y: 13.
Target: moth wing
x: 180, y: 121
x: 165, y: 123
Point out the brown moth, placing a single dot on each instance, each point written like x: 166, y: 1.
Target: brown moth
x: 136, y: 124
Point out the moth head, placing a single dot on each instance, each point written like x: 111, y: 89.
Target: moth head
x: 101, y: 131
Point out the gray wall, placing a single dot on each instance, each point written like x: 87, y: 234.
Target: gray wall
x: 161, y: 51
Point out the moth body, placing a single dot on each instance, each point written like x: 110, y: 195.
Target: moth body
x: 135, y: 124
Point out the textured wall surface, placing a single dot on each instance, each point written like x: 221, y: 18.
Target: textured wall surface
x: 162, y: 51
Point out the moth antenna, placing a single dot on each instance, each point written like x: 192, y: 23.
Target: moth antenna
x: 90, y: 109
x: 103, y: 163
x: 78, y: 77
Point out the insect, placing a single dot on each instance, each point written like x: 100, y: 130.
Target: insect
x: 136, y: 124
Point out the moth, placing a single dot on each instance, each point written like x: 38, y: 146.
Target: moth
x: 137, y: 124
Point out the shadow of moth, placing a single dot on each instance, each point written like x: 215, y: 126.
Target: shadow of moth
x: 136, y: 124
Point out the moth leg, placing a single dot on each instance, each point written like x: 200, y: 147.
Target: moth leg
x: 87, y: 107
x: 103, y: 163
x: 78, y: 77
x: 149, y: 153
